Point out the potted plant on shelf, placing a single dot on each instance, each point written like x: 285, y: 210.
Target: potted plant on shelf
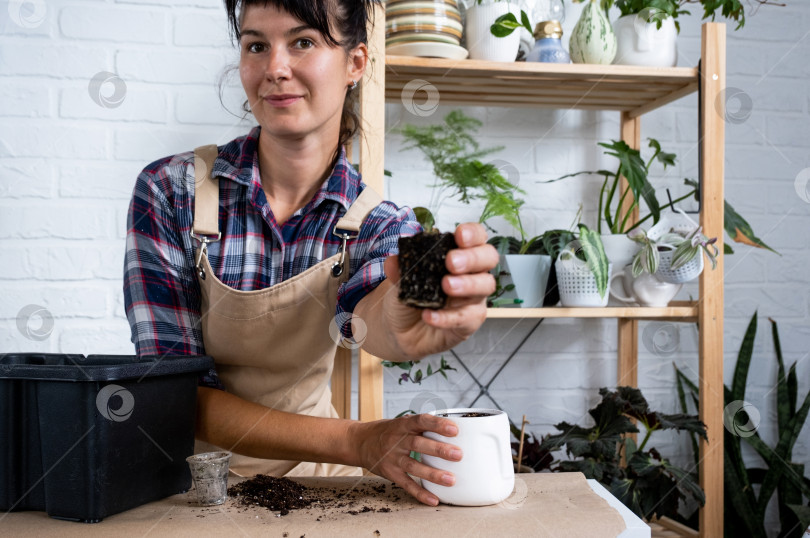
x: 455, y: 156
x: 647, y: 30
x: 583, y: 271
x: 615, y: 208
x: 672, y: 253
x: 490, y: 30
x: 550, y: 243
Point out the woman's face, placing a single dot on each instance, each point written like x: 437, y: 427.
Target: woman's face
x: 294, y: 80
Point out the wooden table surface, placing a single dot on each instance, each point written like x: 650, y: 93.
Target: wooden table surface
x: 545, y: 504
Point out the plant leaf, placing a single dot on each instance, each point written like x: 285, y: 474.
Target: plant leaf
x: 783, y: 450
x: 686, y: 482
x: 793, y: 387
x: 679, y: 421
x: 743, y: 362
x: 739, y: 229
x: 740, y: 496
x: 425, y: 218
x: 525, y: 22
x: 634, y: 170
x: 684, y: 253
x: 802, y: 513
x: 681, y: 379
x: 504, y: 25
x: 595, y: 257
x: 783, y: 409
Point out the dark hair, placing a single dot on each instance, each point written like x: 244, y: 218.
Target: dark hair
x: 349, y: 17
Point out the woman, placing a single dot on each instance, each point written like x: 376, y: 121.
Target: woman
x: 248, y: 252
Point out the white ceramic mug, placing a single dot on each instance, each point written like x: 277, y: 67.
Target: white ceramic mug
x: 485, y: 474
x: 645, y: 289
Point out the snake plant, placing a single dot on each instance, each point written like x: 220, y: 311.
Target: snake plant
x: 782, y: 474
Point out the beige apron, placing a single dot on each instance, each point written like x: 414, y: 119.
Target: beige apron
x: 273, y: 346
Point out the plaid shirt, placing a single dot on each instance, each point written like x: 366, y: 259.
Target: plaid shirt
x: 161, y: 292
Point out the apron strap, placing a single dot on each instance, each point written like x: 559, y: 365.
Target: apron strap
x: 359, y: 210
x: 206, y: 196
x: 348, y: 226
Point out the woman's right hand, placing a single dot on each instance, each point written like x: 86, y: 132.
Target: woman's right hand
x: 385, y: 447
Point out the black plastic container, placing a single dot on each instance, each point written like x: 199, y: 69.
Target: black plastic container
x: 86, y: 437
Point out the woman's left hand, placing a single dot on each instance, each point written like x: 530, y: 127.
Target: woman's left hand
x: 420, y: 332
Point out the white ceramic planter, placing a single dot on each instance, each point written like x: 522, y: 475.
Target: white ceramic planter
x: 577, y: 284
x: 485, y: 474
x: 480, y: 41
x: 619, y: 250
x: 641, y: 43
x: 685, y: 273
x: 645, y: 289
x: 529, y: 273
x: 593, y: 40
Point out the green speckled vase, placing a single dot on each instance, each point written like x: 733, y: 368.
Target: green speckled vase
x: 593, y: 40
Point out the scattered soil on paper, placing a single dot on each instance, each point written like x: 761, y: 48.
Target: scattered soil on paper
x: 283, y: 495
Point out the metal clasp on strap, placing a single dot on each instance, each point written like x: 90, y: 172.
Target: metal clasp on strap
x: 337, y: 268
x: 204, y: 240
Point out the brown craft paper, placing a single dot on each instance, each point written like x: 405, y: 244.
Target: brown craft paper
x: 542, y: 505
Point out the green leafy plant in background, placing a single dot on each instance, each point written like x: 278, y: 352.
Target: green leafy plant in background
x: 631, y: 166
x: 508, y: 23
x: 636, y: 171
x: 647, y: 483
x: 533, y: 455
x: 659, y: 10
x: 745, y: 507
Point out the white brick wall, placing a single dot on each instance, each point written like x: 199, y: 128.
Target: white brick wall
x: 67, y: 166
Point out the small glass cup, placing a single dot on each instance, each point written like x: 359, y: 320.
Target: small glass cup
x: 210, y: 474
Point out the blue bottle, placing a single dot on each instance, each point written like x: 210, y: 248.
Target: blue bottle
x: 548, y: 47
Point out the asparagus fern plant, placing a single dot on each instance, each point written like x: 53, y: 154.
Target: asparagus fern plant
x: 456, y: 156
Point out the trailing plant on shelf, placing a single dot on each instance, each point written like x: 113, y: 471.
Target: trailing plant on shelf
x: 417, y: 376
x: 685, y: 248
x: 647, y: 483
x: 616, y: 211
x: 750, y: 489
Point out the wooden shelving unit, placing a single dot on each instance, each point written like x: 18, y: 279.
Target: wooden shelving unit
x: 632, y: 91
x: 676, y: 311
x: 586, y: 87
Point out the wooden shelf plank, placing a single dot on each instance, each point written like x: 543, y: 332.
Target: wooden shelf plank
x: 677, y: 312
x: 608, y: 87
